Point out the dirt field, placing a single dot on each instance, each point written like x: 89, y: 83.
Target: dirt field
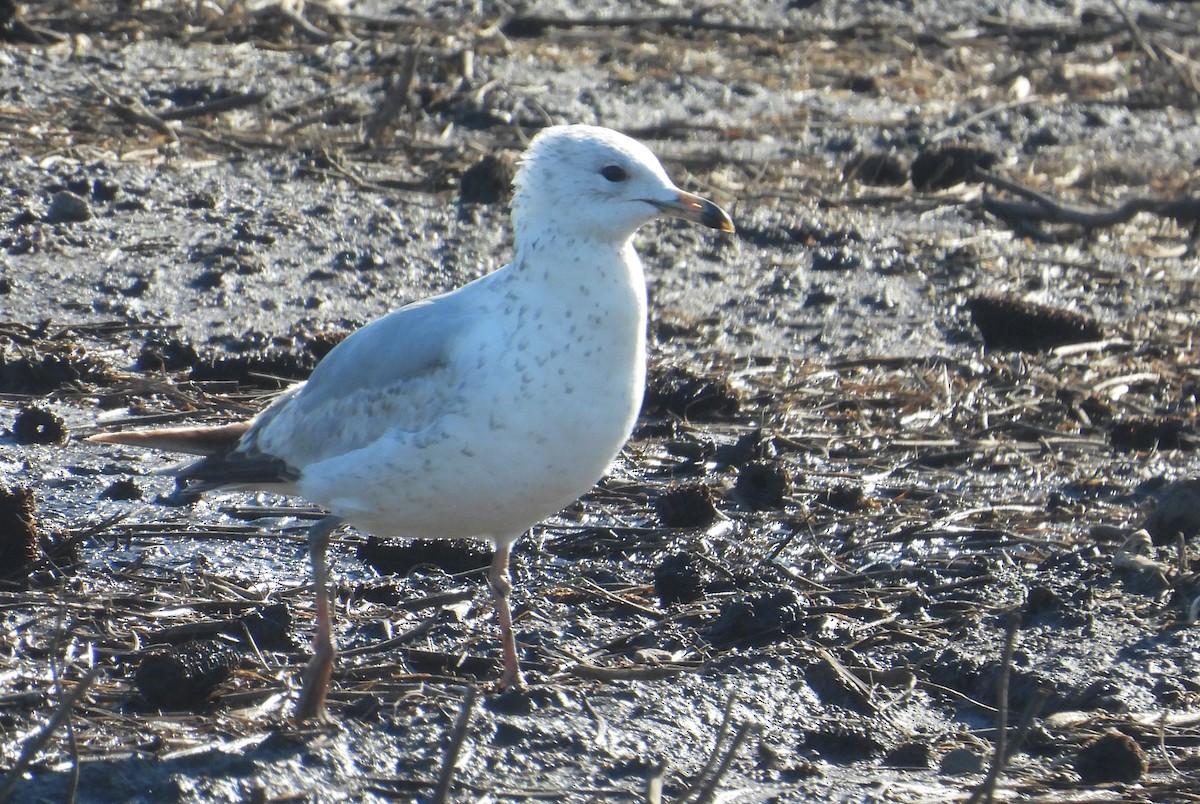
x: 877, y: 527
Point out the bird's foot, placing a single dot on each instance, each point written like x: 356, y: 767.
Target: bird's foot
x: 511, y: 679
x: 310, y: 707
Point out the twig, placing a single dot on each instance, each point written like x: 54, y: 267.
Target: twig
x: 291, y: 11
x: 850, y: 684
x: 21, y: 30
x: 1027, y: 717
x: 1184, y: 67
x: 133, y: 111
x: 535, y: 25
x: 590, y: 587
x: 408, y: 636
x: 1046, y: 210
x: 73, y: 787
x: 397, y: 97
x: 48, y: 561
x: 38, y: 741
x: 457, y: 738
x: 1135, y: 31
x: 987, y: 789
x: 60, y: 638
x: 1162, y: 741
x: 237, y: 100
x: 999, y: 108
x: 696, y: 788
x: 710, y: 787
x: 583, y: 669
x: 337, y: 167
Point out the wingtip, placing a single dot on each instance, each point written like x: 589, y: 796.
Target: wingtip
x: 105, y: 438
x: 199, y: 440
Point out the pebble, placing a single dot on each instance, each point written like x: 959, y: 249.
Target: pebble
x: 67, y: 207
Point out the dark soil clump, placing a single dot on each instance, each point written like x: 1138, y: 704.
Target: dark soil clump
x: 764, y: 484
x: 1006, y: 322
x: 687, y: 506
x: 944, y: 167
x: 19, y: 544
x: 35, y: 425
x: 677, y: 391
x: 1112, y: 757
x: 47, y: 370
x: 680, y: 578
x: 184, y: 677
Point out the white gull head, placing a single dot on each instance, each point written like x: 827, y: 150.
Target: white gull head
x: 598, y: 185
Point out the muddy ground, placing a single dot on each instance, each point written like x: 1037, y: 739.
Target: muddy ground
x: 915, y: 410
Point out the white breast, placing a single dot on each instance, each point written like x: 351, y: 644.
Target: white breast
x: 538, y: 396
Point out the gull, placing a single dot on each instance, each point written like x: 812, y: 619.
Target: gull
x: 480, y: 412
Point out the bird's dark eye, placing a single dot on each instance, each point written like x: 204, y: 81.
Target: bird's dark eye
x: 614, y: 173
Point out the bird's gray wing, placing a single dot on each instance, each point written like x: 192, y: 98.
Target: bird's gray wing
x: 395, y: 373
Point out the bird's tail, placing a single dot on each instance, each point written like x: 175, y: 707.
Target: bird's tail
x: 225, y: 461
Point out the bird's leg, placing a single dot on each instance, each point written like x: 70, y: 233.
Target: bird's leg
x: 501, y: 585
x: 311, y: 705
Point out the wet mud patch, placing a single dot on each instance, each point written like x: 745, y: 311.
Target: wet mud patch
x: 799, y: 580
